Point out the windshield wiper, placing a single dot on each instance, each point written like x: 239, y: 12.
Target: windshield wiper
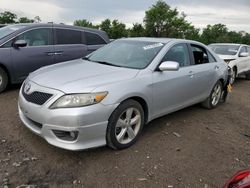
x: 105, y: 63
x: 85, y: 58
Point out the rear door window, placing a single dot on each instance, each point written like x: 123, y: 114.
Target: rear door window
x: 201, y: 55
x: 94, y: 39
x: 66, y: 36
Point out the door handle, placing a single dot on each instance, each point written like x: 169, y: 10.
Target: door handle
x: 50, y: 53
x: 58, y: 53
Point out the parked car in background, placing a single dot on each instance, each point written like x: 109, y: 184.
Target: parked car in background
x: 237, y: 56
x: 2, y: 25
x: 26, y: 47
x: 107, y: 97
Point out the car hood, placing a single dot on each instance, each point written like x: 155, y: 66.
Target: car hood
x: 80, y: 76
x: 227, y: 57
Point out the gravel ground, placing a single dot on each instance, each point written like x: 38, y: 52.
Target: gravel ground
x: 192, y: 148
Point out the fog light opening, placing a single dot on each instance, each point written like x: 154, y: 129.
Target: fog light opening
x: 66, y: 135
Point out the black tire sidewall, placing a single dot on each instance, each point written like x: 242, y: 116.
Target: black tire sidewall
x: 4, y: 80
x: 110, y: 135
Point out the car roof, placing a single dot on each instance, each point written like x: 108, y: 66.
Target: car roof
x: 233, y: 44
x: 159, y: 40
x: 32, y: 25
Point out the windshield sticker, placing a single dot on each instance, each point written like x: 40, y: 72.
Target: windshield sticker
x: 152, y: 46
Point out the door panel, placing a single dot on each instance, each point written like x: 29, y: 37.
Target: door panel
x: 69, y: 52
x: 37, y: 53
x: 69, y: 45
x: 173, y: 90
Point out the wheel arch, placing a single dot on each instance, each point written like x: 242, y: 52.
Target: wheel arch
x: 143, y: 103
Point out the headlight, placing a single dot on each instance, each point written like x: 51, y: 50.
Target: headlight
x: 78, y: 100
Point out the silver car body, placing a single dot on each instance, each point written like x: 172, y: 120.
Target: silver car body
x: 159, y: 92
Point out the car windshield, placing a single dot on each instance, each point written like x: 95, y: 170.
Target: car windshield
x: 225, y: 49
x: 5, y: 31
x: 127, y: 53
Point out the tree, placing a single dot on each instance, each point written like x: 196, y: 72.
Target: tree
x: 106, y: 26
x: 7, y: 17
x: 162, y: 21
x: 84, y: 23
x: 215, y: 33
x: 137, y: 30
x: 25, y: 20
x: 37, y: 19
x: 118, y: 30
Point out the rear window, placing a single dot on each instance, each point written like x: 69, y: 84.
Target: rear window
x: 65, y: 36
x: 93, y: 39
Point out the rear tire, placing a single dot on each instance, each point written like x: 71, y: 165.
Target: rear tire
x: 215, y: 97
x: 234, y: 75
x: 125, y: 125
x: 4, y: 80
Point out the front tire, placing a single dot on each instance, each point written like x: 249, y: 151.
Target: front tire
x: 3, y: 80
x: 125, y: 125
x: 215, y: 97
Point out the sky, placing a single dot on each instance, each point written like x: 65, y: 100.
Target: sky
x: 234, y: 14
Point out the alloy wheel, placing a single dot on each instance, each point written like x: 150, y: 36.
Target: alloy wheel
x: 216, y: 95
x: 128, y: 125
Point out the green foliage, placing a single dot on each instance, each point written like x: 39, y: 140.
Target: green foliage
x: 106, y: 26
x: 137, y: 30
x: 118, y: 30
x: 10, y: 18
x: 214, y: 33
x: 162, y: 21
x: 84, y: 23
x: 25, y: 20
x: 7, y: 17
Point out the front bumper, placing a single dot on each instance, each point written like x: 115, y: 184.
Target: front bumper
x: 89, y: 122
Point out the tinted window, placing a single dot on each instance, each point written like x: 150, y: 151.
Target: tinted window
x: 93, y: 39
x: 200, y: 55
x: 127, y: 53
x: 248, y: 49
x: 179, y: 53
x: 65, y: 36
x: 37, y: 37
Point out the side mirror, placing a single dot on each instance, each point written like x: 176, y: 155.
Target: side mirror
x: 169, y: 66
x: 20, y: 43
x: 244, y: 54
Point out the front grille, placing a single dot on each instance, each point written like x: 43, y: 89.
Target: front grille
x: 36, y: 97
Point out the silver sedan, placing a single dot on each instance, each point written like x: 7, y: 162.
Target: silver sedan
x: 107, y: 97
